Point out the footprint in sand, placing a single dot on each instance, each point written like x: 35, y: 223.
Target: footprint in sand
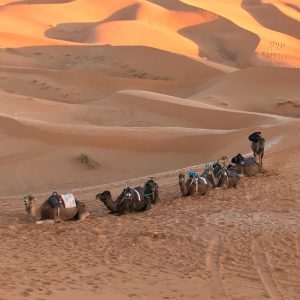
x: 264, y: 270
x: 213, y: 266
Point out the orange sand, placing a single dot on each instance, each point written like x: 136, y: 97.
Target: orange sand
x: 149, y: 87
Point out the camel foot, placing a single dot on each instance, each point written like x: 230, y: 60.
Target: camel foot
x: 83, y: 216
x: 45, y: 222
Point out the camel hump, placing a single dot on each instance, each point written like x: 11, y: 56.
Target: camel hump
x: 250, y: 161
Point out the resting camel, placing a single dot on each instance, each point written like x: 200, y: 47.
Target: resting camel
x: 137, y: 199
x: 195, y: 185
x: 223, y: 161
x: 151, y: 190
x: 246, y: 165
x: 221, y: 177
x: 58, y: 212
x: 30, y: 206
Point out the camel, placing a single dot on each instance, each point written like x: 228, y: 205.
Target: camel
x: 257, y: 146
x: 195, y: 185
x: 57, y: 212
x: 221, y: 177
x: 213, y: 175
x: 223, y: 161
x: 131, y: 200
x: 258, y: 149
x: 151, y: 190
x: 246, y: 165
x: 230, y: 177
x: 30, y: 207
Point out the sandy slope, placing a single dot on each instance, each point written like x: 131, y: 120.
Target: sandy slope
x: 271, y: 17
x: 260, y: 89
x: 146, y: 87
x: 236, y: 244
x: 160, y: 21
x: 275, y: 48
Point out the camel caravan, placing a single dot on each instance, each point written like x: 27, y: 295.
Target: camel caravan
x: 223, y: 173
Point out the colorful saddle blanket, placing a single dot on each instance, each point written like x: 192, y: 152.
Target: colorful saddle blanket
x: 68, y: 200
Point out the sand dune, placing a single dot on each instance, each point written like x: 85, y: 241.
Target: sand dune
x: 246, y: 244
x: 139, y: 108
x: 87, y: 32
x: 222, y: 41
x: 175, y: 5
x: 263, y: 89
x: 141, y: 125
x: 44, y: 72
x: 274, y: 47
x: 290, y: 8
x: 271, y: 17
x: 121, y: 25
x: 149, y: 87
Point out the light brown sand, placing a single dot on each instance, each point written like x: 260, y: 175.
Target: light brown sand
x: 149, y: 87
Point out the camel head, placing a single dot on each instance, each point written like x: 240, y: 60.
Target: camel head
x: 238, y: 159
x: 209, y: 168
x: 29, y: 202
x: 223, y: 161
x: 151, y: 186
x: 103, y: 196
x: 214, y: 169
x: 181, y: 177
x: 151, y: 190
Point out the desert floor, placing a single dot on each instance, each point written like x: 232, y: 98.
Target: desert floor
x: 149, y: 88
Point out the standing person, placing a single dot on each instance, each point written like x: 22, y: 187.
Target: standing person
x: 257, y: 145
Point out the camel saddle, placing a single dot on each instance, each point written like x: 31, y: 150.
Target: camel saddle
x: 135, y: 195
x: 255, y: 137
x: 55, y: 200
x: 68, y: 200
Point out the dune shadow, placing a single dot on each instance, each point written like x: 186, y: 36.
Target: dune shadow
x: 175, y: 5
x: 84, y: 32
x: 269, y: 16
x: 40, y: 2
x: 293, y: 6
x: 223, y: 41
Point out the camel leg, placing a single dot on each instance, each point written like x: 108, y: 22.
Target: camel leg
x: 225, y: 183
x: 236, y: 183
x: 148, y: 204
x: 56, y: 213
x: 255, y: 156
x: 260, y: 161
x: 261, y: 170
